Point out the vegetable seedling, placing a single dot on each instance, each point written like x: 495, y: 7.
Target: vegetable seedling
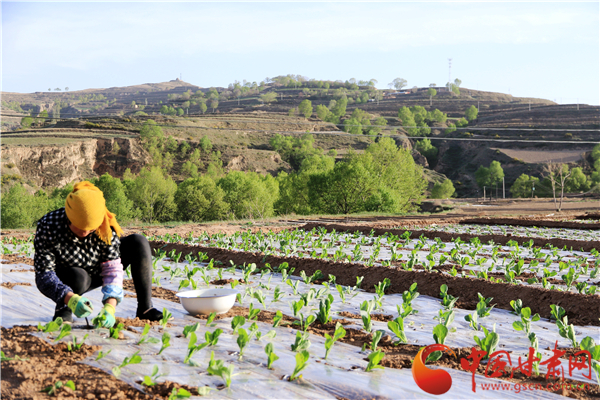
x: 397, y: 327
x: 324, y: 310
x: 165, y: 319
x: 218, y: 368
x: 489, y: 342
x: 253, y: 312
x: 180, y: 393
x: 242, y: 340
x: 213, y: 338
x: 277, y: 318
x: 301, y: 363
x: 237, y: 322
x: 339, y: 333
x: 144, y: 338
x: 271, y: 356
x: 301, y: 342
x: 376, y: 338
x: 114, y: 331
x: 52, y: 389
x: 102, y: 354
x: 193, y: 349
x: 134, y: 359
x: 166, y: 342
x: 76, y: 346
x: 374, y: 359
x: 64, y: 331
x: 51, y: 326
x: 150, y: 380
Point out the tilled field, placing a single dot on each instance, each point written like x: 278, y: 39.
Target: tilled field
x: 390, y: 292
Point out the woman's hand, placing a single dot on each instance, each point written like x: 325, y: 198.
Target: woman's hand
x: 81, y: 306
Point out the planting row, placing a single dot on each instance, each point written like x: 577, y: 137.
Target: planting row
x: 550, y: 268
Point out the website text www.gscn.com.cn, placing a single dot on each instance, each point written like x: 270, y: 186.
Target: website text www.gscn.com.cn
x: 522, y: 387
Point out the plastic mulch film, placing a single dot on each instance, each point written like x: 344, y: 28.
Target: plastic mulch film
x: 342, y: 375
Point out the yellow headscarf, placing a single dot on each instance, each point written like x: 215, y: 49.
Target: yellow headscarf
x: 86, y: 209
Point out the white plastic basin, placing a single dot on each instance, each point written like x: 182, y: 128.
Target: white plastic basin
x: 206, y: 301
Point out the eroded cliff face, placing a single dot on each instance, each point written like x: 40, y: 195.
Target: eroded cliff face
x: 52, y: 166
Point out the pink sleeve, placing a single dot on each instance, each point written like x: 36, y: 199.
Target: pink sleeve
x: 112, y: 273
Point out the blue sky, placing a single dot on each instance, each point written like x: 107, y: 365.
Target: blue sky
x: 536, y: 49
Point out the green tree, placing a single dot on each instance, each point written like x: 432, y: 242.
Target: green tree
x: 471, y: 113
x: 428, y: 150
x: 214, y: 103
x: 443, y: 190
x: 249, y: 194
x: 205, y: 144
x: 305, y: 107
x: 322, y: 112
x: 189, y: 169
x: 153, y: 193
x: 116, y: 197
x: 26, y: 122
x: 378, y: 125
x: 268, y: 97
x: 577, y: 182
x: 180, y: 112
x: 489, y: 176
x: 200, y: 199
x: 408, y: 121
x: 496, y: 172
x: 294, y: 149
x: 524, y: 186
x: 398, y: 83
x: 483, y: 177
x: 203, y: 107
x: 358, y: 121
x: 431, y: 92
x: 151, y: 134
x: 171, y: 144
x: 339, y: 109
x: 184, y: 148
x: 19, y: 209
x: 293, y: 187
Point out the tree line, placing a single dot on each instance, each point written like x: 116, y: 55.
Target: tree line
x: 384, y: 178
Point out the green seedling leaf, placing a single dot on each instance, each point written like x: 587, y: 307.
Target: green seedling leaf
x: 277, y: 318
x: 64, y: 331
x: 271, y: 356
x: 374, y: 359
x: 301, y: 363
x: 237, y: 322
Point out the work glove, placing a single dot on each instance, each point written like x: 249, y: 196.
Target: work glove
x: 106, y: 317
x: 81, y: 306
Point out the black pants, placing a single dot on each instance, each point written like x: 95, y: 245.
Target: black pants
x: 135, y: 252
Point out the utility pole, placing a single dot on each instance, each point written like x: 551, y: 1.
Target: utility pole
x: 450, y: 70
x: 477, y: 105
x: 503, y: 189
x: 529, y: 105
x: 484, y: 193
x: 577, y: 104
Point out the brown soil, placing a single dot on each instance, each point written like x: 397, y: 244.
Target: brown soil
x: 447, y: 236
x: 581, y: 309
x: 46, y: 364
x: 374, y: 317
x: 531, y: 222
x: 11, y: 285
x: 221, y: 282
x: 15, y: 259
x: 158, y: 292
